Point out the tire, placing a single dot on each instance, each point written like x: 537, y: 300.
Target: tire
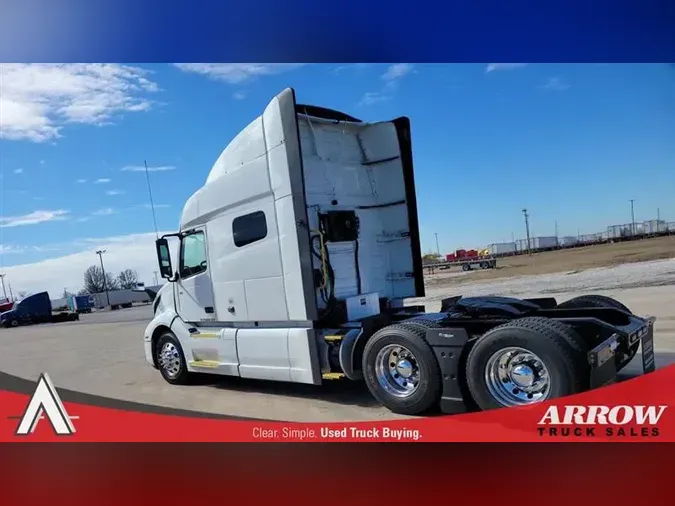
x: 425, y: 392
x: 553, y: 344
x: 420, y: 323
x: 484, y: 265
x: 168, y: 343
x: 13, y: 323
x: 601, y: 301
x: 466, y: 267
x: 594, y: 301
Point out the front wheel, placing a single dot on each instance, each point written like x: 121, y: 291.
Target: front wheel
x: 401, y: 371
x: 170, y: 360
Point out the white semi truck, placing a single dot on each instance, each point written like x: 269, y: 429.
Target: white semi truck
x: 297, y: 256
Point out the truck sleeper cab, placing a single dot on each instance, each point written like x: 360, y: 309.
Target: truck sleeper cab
x: 296, y: 257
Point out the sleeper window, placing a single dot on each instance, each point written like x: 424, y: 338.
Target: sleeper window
x: 193, y: 255
x: 249, y: 228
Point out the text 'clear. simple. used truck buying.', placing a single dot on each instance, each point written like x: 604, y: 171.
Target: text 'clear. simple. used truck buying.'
x: 296, y: 258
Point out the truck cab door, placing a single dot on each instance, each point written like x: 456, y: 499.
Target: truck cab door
x: 194, y: 289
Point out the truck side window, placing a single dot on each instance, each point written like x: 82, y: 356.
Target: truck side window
x: 249, y: 228
x: 192, y: 255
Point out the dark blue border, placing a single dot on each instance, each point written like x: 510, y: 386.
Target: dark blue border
x: 338, y: 31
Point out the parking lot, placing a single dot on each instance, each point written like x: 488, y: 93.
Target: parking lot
x: 102, y: 354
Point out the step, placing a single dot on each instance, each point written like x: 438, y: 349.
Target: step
x: 332, y: 375
x: 209, y: 364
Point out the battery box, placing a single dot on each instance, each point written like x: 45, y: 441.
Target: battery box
x: 362, y: 306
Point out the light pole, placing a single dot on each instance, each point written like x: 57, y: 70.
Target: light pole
x: 105, y: 280
x: 527, y: 228
x: 438, y: 250
x: 632, y: 217
x: 4, y: 292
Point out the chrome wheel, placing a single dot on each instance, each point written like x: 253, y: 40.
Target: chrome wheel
x: 169, y: 360
x: 516, y: 376
x: 397, y: 370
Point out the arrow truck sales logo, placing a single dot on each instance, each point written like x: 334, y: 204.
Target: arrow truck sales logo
x: 45, y: 401
x: 607, y: 421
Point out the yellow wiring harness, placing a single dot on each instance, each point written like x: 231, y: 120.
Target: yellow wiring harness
x: 324, y: 263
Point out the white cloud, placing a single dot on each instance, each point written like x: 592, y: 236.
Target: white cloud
x: 492, y: 67
x: 391, y: 77
x: 235, y: 73
x: 141, y: 168
x: 240, y: 95
x: 355, y: 66
x: 556, y: 84
x: 374, y: 97
x: 106, y: 211
x: 397, y: 71
x: 33, y: 218
x: 18, y: 171
x: 114, y: 192
x: 81, y: 181
x: 43, y: 249
x: 42, y: 162
x: 37, y: 100
x: 102, y: 180
x: 135, y: 251
x: 157, y: 206
x: 9, y: 249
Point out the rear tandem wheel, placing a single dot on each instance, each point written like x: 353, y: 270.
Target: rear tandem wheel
x: 526, y: 361
x: 602, y: 301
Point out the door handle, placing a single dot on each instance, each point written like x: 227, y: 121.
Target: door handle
x: 231, y: 309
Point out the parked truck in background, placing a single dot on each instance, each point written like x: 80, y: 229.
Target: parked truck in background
x: 36, y: 308
x: 296, y: 262
x: 80, y: 303
x: 5, y: 305
x: 469, y: 260
x: 116, y: 299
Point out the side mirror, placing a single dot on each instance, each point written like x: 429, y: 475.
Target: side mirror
x: 164, y: 258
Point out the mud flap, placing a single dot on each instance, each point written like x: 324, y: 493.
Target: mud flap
x: 648, y: 362
x: 448, y: 345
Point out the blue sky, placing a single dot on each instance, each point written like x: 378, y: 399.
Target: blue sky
x: 572, y: 143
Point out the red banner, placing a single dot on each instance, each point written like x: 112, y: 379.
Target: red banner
x: 636, y: 410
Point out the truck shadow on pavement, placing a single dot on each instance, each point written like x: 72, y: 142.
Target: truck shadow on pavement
x: 344, y: 392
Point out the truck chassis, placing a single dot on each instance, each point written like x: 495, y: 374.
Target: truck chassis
x: 477, y: 353
x: 481, y: 353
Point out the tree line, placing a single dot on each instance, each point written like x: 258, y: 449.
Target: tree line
x: 93, y: 282
x: 96, y: 282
